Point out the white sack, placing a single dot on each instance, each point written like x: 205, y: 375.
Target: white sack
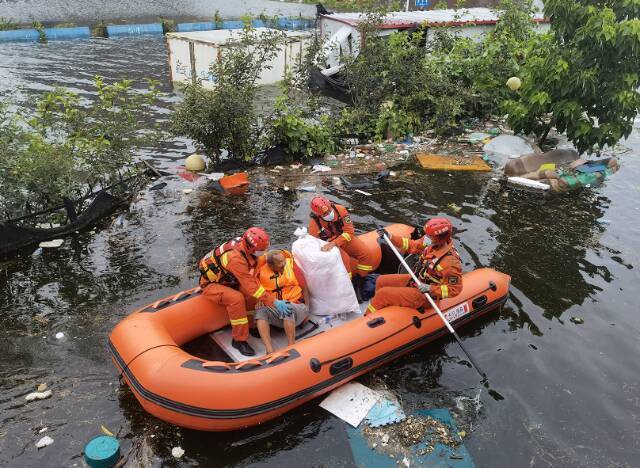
x: 326, y: 277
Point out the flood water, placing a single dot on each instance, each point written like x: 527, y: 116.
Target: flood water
x: 571, y: 392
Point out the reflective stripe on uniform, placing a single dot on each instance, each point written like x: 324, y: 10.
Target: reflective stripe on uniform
x: 405, y: 243
x: 439, y: 268
x: 370, y: 308
x: 350, y: 275
x: 346, y: 236
x: 224, y: 259
x: 240, y: 321
x: 364, y: 267
x: 259, y: 292
x: 444, y: 289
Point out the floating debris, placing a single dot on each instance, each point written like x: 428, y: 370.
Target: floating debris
x: 106, y: 431
x: 187, y: 191
x: 52, y: 244
x: 38, y: 395
x: 363, y: 192
x: 177, y: 452
x: 59, y: 336
x: 577, y: 320
x: 455, y: 208
x: 42, y: 387
x: 44, y: 442
x: 351, y: 402
x: 159, y: 186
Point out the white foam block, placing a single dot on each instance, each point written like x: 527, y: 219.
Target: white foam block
x: 351, y: 402
x: 534, y: 184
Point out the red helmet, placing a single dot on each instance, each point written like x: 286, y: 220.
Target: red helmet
x: 320, y: 206
x: 439, y: 229
x: 255, y: 239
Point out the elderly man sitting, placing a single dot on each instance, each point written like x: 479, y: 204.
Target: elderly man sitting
x: 280, y: 276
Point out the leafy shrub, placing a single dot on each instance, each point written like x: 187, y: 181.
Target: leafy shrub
x: 63, y: 146
x: 225, y: 118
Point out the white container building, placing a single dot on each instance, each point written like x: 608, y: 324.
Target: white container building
x: 341, y: 35
x: 191, y: 54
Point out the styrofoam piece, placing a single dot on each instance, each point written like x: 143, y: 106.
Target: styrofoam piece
x: 46, y: 440
x: 38, y: 395
x: 351, y: 402
x: 52, y: 244
x: 534, y: 184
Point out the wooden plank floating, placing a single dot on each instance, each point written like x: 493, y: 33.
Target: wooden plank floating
x: 438, y: 162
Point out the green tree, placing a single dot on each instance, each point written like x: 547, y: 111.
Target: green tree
x: 582, y: 77
x: 225, y: 117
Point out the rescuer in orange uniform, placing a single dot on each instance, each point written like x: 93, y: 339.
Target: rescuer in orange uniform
x: 331, y: 222
x: 228, y: 275
x: 439, y: 269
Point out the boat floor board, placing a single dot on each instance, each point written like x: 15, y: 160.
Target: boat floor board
x: 278, y: 338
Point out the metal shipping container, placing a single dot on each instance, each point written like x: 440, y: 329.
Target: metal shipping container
x: 192, y: 53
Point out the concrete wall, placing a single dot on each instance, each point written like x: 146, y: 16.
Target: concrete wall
x: 91, y: 11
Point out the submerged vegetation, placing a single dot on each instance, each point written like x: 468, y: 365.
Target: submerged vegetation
x: 65, y: 146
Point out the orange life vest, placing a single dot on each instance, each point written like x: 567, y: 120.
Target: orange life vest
x: 285, y: 284
x: 428, y: 268
x: 212, y: 265
x: 329, y: 230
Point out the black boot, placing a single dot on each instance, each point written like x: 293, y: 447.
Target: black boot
x: 357, y: 281
x: 244, y: 347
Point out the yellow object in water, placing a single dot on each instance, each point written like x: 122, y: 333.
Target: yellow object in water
x: 514, y: 83
x: 437, y: 162
x: 194, y: 163
x: 547, y: 167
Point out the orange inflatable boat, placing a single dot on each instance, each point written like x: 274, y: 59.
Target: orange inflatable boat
x: 194, y: 392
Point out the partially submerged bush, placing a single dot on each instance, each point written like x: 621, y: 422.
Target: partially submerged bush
x: 225, y: 118
x: 64, y: 146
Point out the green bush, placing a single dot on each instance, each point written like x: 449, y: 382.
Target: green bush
x: 64, y: 145
x: 225, y: 117
x: 301, y: 134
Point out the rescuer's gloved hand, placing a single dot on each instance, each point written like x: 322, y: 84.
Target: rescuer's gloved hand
x: 424, y: 288
x: 381, y: 233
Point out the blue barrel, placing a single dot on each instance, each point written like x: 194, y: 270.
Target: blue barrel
x: 189, y: 27
x: 61, y: 34
x: 19, y: 35
x: 232, y: 25
x: 258, y: 24
x: 102, y: 452
x: 120, y: 30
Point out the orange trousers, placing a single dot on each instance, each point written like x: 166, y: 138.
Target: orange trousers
x: 359, y: 257
x: 392, y: 290
x: 235, y: 303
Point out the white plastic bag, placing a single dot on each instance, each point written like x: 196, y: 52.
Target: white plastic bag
x: 326, y: 277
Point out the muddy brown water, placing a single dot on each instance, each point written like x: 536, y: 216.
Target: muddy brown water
x: 571, y: 392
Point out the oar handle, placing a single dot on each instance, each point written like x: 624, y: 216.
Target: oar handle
x: 431, y: 301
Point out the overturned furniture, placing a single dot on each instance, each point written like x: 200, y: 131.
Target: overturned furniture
x: 559, y: 170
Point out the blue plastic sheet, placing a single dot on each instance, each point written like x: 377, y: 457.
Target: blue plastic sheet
x: 442, y: 455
